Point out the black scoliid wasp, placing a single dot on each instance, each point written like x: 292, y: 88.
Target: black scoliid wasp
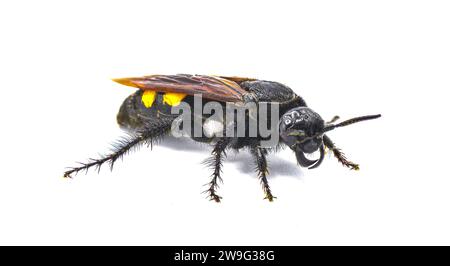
x: 147, y: 115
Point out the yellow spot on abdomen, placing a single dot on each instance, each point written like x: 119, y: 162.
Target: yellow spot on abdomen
x: 148, y: 98
x: 173, y: 98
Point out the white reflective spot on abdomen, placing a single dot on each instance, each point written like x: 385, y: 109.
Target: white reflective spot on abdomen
x: 212, y: 127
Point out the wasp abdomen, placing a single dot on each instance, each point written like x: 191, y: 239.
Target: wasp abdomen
x: 134, y: 114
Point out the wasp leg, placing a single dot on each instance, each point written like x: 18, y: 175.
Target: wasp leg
x: 339, y: 154
x: 334, y: 119
x: 218, y: 153
x: 145, y: 135
x: 259, y: 154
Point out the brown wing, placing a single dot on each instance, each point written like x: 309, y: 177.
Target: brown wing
x: 210, y: 87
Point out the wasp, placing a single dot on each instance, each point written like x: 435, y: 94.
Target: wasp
x: 147, y: 115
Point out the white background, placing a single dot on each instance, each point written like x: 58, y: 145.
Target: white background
x: 351, y: 58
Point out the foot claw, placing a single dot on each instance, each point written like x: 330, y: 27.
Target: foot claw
x: 353, y: 166
x: 270, y: 197
x: 67, y: 175
x: 215, y: 197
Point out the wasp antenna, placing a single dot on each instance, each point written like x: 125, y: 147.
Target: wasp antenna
x: 351, y: 121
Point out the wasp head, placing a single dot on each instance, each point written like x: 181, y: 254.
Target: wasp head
x: 301, y: 129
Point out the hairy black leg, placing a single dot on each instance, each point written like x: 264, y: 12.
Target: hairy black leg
x: 146, y: 135
x: 259, y: 155
x: 339, y: 154
x: 215, y: 162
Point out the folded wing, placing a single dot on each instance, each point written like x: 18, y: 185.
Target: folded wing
x: 210, y: 87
